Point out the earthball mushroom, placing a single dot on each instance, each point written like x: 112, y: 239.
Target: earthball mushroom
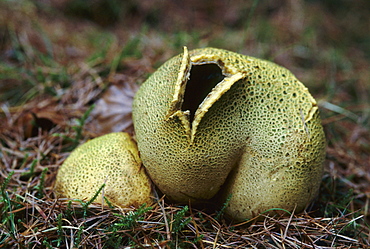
x: 112, y: 160
x: 210, y: 119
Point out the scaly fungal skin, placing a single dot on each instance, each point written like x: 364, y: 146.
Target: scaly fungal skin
x: 212, y: 118
x: 112, y: 160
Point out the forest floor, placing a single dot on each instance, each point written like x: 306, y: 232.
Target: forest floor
x: 69, y: 70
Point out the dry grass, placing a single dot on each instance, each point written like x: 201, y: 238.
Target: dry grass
x: 53, y: 69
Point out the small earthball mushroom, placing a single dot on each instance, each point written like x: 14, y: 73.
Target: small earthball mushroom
x: 112, y: 160
x: 210, y: 119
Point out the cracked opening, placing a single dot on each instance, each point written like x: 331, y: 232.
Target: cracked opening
x: 202, y: 79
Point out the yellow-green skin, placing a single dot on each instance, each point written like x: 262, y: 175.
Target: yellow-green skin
x: 112, y: 160
x: 257, y: 135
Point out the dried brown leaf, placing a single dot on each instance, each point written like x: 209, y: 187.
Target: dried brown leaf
x: 113, y: 111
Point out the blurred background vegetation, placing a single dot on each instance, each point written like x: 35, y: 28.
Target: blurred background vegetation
x: 317, y: 40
